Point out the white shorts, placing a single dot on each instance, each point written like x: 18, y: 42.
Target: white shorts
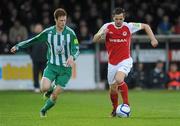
x: 124, y: 66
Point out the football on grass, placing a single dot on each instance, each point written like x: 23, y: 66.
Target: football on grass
x: 123, y: 110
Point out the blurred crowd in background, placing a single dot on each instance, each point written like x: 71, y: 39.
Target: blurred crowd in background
x: 18, y: 18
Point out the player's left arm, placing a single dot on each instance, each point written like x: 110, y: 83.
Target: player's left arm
x: 150, y: 33
x: 74, y: 50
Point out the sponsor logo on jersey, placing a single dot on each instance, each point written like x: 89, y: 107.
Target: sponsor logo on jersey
x: 117, y: 40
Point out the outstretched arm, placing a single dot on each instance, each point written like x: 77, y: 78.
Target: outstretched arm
x: 39, y: 38
x: 149, y: 32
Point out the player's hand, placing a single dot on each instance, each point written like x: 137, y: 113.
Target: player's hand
x: 154, y: 43
x: 13, y: 49
x: 70, y: 61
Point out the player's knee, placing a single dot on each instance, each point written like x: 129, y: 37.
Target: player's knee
x: 119, y: 80
x: 54, y: 96
x: 113, y: 88
x: 44, y: 89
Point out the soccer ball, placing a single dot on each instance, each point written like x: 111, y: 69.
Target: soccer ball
x: 123, y: 110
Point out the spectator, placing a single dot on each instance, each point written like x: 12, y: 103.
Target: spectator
x: 176, y: 28
x: 141, y: 77
x: 38, y: 55
x: 164, y: 26
x: 84, y: 36
x: 4, y: 45
x: 137, y: 78
x: 158, y: 77
x: 174, y: 77
x: 18, y: 32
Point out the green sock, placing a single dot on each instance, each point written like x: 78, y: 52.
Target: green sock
x: 48, y: 104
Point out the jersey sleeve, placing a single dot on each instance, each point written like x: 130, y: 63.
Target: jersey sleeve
x: 134, y: 27
x: 74, y: 46
x: 42, y: 37
x: 102, y: 29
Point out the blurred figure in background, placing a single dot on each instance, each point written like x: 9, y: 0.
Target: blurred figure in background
x: 176, y: 27
x: 158, y: 77
x: 140, y: 76
x: 137, y: 77
x: 4, y: 44
x: 17, y: 32
x: 174, y: 77
x: 39, y: 59
x: 164, y: 26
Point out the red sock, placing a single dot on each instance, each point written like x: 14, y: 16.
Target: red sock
x: 114, y: 99
x: 124, y: 92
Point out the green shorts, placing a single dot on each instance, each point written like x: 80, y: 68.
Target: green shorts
x: 60, y: 74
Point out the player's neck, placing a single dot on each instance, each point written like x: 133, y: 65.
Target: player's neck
x: 118, y: 27
x: 58, y: 29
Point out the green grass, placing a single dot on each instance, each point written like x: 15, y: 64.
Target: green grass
x: 149, y: 108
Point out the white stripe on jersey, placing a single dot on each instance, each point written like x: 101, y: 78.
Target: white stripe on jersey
x: 55, y: 49
x: 63, y: 54
x: 49, y: 41
x: 68, y: 43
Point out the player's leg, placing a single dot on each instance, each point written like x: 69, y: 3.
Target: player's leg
x: 122, y: 86
x: 61, y: 80
x: 123, y: 69
x: 46, y: 87
x: 46, y: 82
x: 114, y: 98
x: 113, y: 93
x: 50, y: 101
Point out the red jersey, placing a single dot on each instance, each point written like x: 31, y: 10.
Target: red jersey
x: 174, y: 78
x: 118, y: 40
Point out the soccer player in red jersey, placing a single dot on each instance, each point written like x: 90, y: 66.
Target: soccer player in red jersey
x: 117, y: 36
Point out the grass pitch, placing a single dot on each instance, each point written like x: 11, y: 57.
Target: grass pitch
x: 90, y: 108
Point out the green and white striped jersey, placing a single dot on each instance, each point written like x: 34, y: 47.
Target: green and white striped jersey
x: 60, y: 45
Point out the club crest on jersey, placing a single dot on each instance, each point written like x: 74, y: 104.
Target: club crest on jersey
x: 59, y: 50
x: 124, y: 33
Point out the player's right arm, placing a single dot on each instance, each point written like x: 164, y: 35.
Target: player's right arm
x: 100, y: 35
x: 39, y: 38
x: 134, y: 27
x: 150, y: 33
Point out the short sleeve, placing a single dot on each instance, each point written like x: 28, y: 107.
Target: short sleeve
x: 134, y: 27
x: 103, y: 28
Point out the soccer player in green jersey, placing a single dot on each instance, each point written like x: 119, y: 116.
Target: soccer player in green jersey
x: 63, y: 49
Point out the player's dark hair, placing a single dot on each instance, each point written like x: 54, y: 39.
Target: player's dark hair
x: 59, y: 12
x: 118, y: 11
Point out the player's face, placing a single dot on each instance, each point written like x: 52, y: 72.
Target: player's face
x: 118, y: 19
x: 61, y: 22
